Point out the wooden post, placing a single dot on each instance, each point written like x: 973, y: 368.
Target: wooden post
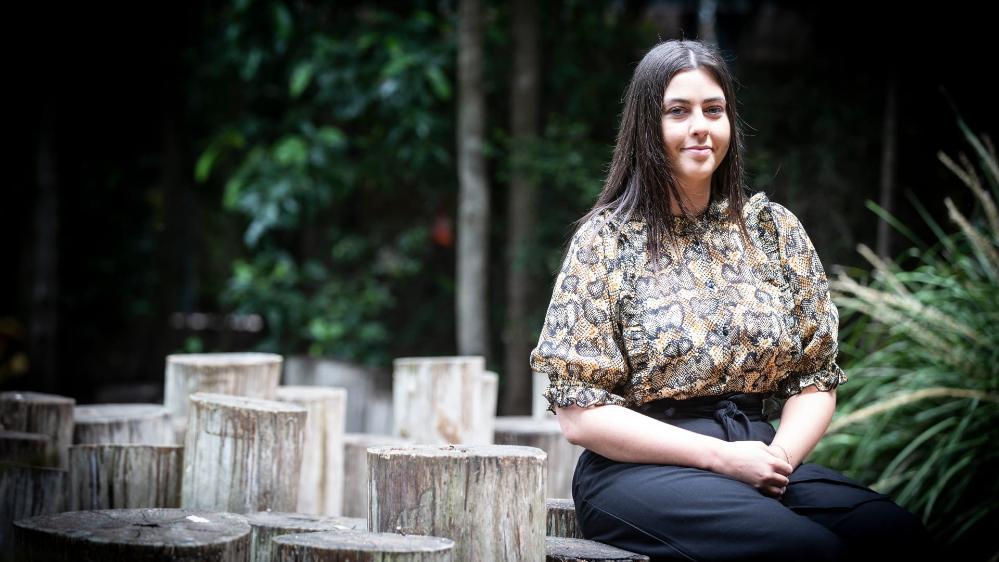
x: 350, y: 546
x: 242, y: 454
x: 539, y: 404
x: 32, y: 449
x: 489, y: 499
x: 562, y: 520
x: 27, y: 491
x: 489, y: 396
x: 320, y: 490
x: 355, y: 469
x: 124, y: 535
x: 255, y: 375
x: 545, y: 434
x: 140, y: 424
x: 269, y: 524
x: 559, y: 549
x: 48, y: 414
x: 111, y: 476
x: 438, y: 400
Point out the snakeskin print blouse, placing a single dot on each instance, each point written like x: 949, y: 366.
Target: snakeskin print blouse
x: 721, y: 317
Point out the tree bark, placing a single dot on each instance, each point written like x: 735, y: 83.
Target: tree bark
x: 440, y: 400
x: 242, y: 454
x: 489, y: 499
x: 27, y: 491
x: 47, y: 414
x: 562, y: 520
x: 32, y: 449
x: 112, y: 476
x: 473, y: 193
x: 524, y: 101
x: 545, y: 434
x: 355, y: 469
x: 125, y: 535
x: 320, y: 488
x: 141, y: 424
x: 255, y: 375
x: 347, y: 546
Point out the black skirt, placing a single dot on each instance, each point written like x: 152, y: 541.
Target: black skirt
x: 671, y: 512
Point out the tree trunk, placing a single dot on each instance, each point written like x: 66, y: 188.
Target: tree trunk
x: 545, y: 434
x: 489, y: 499
x: 266, y: 525
x: 124, y: 535
x: 27, y: 491
x: 255, y: 375
x: 362, y: 547
x: 440, y: 400
x: 47, y: 414
x: 558, y: 549
x: 524, y: 100
x: 473, y: 194
x: 242, y: 455
x: 562, y: 520
x: 112, y: 476
x: 355, y: 469
x: 141, y: 424
x: 44, y: 328
x: 888, y: 148
x: 320, y: 488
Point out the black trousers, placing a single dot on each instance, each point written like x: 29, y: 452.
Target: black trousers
x: 670, y: 512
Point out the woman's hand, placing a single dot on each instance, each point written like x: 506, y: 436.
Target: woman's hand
x: 757, y: 464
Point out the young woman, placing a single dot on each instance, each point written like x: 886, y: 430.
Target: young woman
x: 683, y: 311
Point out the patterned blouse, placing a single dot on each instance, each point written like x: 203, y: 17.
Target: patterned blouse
x: 722, y: 317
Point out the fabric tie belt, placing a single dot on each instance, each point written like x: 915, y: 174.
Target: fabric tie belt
x: 723, y: 407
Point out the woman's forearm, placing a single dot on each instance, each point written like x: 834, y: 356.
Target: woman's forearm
x: 804, y: 421
x: 624, y: 435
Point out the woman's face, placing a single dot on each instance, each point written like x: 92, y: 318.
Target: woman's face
x: 695, y: 114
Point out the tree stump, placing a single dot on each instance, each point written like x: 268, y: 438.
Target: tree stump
x: 369, y: 390
x: 539, y: 404
x: 489, y: 396
x: 489, y: 499
x: 242, y: 454
x: 562, y: 520
x: 254, y: 375
x: 32, y: 449
x: 545, y: 434
x: 48, y: 414
x: 112, y: 476
x: 140, y: 424
x: 350, y: 546
x: 27, y: 491
x: 269, y: 524
x: 559, y: 549
x: 355, y: 469
x: 320, y: 489
x: 438, y: 400
x: 124, y: 535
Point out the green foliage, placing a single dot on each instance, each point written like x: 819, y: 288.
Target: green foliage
x: 336, y: 153
x: 918, y: 416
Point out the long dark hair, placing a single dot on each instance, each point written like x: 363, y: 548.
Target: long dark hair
x: 640, y: 181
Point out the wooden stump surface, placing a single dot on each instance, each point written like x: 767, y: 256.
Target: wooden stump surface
x: 125, y: 535
x: 558, y: 549
x: 111, y: 476
x: 362, y: 546
x: 141, y: 424
x: 562, y: 520
x: 266, y: 525
x: 35, y: 412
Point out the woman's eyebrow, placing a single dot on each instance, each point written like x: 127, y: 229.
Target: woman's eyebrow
x: 681, y: 100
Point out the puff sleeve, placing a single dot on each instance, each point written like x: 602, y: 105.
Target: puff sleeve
x: 579, y: 347
x: 814, y: 312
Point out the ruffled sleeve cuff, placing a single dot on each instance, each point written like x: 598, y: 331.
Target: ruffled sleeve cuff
x: 824, y: 379
x: 565, y: 393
